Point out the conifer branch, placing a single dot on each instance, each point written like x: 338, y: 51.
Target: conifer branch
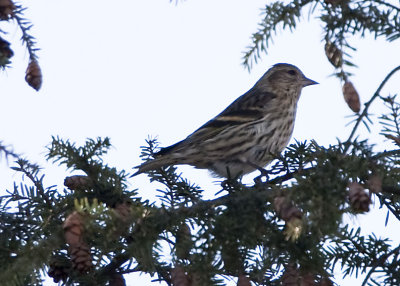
x: 27, y: 39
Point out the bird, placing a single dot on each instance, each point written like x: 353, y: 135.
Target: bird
x: 247, y: 134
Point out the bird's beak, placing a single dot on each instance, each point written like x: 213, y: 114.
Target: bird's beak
x: 307, y: 81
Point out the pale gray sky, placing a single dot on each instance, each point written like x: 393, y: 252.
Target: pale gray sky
x: 129, y: 69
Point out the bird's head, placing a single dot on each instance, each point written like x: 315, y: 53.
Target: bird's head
x: 284, y: 77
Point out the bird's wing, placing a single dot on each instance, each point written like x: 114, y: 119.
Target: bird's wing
x: 249, y: 107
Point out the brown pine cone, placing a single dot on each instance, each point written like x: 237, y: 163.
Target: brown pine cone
x: 5, y: 52
x: 78, y: 249
x: 351, y: 96
x: 78, y: 183
x: 326, y: 282
x: 243, y: 280
x: 307, y: 279
x: 34, y: 75
x: 334, y: 54
x: 59, y: 268
x: 73, y: 228
x: 124, y: 211
x: 291, y: 215
x: 290, y: 276
x: 178, y: 276
x: 7, y: 8
x: 80, y: 257
x: 359, y: 199
x: 117, y: 280
x: 285, y: 209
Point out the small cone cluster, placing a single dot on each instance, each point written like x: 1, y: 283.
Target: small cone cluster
x: 291, y: 215
x: 179, y: 277
x: 58, y: 270
x: 78, y: 183
x: 351, y: 96
x: 359, y: 198
x: 33, y: 75
x: 334, y: 54
x: 78, y: 249
x: 7, y: 8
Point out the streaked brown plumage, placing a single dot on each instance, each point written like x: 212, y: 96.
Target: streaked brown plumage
x: 243, y: 136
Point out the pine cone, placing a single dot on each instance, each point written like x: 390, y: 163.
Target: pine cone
x: 7, y: 8
x: 78, y: 183
x: 334, y: 54
x: 291, y: 215
x: 358, y: 197
x: 351, y: 96
x: 195, y: 279
x: 291, y: 276
x: 73, y: 228
x: 80, y: 257
x: 124, y: 211
x: 375, y: 184
x: 243, y: 280
x: 5, y: 52
x: 59, y: 268
x: 34, y: 75
x: 78, y: 249
x: 183, y: 243
x: 307, y: 279
x: 326, y: 282
x: 285, y: 209
x: 117, y: 280
x: 178, y: 276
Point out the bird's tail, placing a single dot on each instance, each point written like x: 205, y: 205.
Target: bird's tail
x: 154, y: 164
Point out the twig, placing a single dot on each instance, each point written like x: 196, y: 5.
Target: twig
x: 388, y: 5
x: 367, y: 105
x: 27, y: 39
x: 38, y: 185
x: 378, y: 263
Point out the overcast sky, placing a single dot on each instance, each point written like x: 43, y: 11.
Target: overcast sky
x: 129, y: 69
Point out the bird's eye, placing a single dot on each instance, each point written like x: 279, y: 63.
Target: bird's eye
x: 292, y: 72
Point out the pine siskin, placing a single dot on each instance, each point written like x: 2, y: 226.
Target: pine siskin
x: 242, y: 138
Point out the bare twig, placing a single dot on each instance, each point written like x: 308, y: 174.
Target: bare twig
x: 378, y: 262
x: 367, y: 105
